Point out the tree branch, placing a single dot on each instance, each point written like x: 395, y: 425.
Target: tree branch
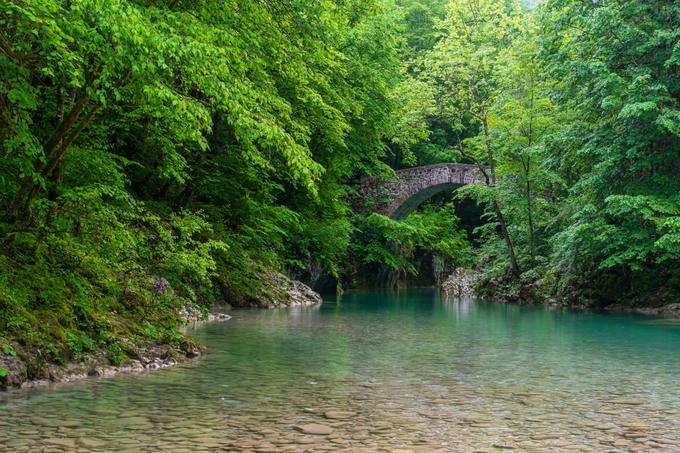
x: 7, y: 48
x: 469, y: 156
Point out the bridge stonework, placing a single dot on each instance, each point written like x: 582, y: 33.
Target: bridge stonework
x: 401, y: 196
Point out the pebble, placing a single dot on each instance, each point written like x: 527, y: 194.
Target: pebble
x: 665, y: 441
x: 339, y: 415
x: 307, y: 440
x: 86, y: 442
x: 625, y: 402
x: 315, y: 429
x: 61, y: 441
x: 544, y: 436
x: 638, y: 426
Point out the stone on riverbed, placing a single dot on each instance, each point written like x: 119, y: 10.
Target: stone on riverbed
x: 315, y: 429
x: 91, y: 443
x: 61, y: 441
x: 339, y: 415
x: 625, y: 402
x: 633, y: 425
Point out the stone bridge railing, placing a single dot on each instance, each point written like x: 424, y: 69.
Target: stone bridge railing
x: 398, y: 197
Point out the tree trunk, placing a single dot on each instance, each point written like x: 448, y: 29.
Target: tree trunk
x: 55, y: 141
x: 527, y: 168
x: 530, y: 215
x: 532, y: 234
x: 56, y: 159
x: 57, y: 145
x: 514, y: 267
x: 58, y: 175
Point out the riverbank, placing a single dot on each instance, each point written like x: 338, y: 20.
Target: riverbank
x: 144, y: 359
x: 24, y: 364
x: 466, y: 283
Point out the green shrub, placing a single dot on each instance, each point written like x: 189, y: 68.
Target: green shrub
x: 115, y: 355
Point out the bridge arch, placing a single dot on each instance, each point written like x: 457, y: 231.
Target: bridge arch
x: 413, y: 186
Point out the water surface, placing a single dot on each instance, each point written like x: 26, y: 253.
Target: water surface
x: 414, y: 372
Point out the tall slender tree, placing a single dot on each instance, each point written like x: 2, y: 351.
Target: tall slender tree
x: 467, y: 62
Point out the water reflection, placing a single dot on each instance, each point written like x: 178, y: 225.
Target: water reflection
x: 461, y: 307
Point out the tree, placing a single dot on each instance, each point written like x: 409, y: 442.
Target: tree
x: 466, y: 62
x: 522, y: 117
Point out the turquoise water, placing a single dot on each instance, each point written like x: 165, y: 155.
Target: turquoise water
x: 394, y: 372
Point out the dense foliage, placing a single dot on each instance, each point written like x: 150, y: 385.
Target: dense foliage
x: 204, y: 142
x: 195, y: 142
x: 576, y: 106
x: 427, y: 244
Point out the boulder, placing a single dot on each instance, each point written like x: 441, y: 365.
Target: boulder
x: 460, y: 284
x: 192, y: 313
x: 272, y: 290
x: 671, y: 310
x: 15, y: 371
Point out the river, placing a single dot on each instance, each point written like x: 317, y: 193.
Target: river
x: 399, y: 371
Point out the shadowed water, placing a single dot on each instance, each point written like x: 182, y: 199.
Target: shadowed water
x: 394, y: 372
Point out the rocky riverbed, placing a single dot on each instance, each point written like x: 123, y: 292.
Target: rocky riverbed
x: 401, y: 422
x: 408, y: 371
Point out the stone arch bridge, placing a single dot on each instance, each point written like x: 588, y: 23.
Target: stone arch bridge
x: 397, y: 198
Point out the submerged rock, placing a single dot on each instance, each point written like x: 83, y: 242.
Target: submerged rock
x: 625, y: 402
x: 339, y: 415
x: 61, y: 442
x: 86, y: 442
x: 315, y: 429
